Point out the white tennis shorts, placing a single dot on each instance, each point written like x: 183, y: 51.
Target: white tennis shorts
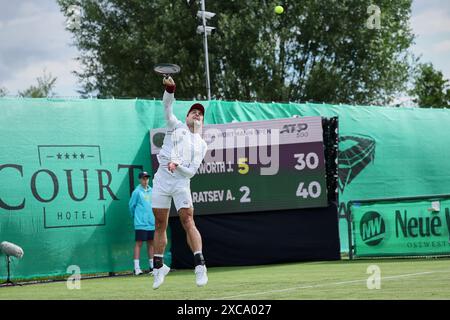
x: 168, y: 186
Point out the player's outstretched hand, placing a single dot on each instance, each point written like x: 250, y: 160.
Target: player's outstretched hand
x: 168, y: 82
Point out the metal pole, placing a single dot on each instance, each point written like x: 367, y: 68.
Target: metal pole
x: 205, y: 42
x: 8, y: 261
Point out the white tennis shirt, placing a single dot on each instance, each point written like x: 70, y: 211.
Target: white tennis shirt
x: 180, y: 145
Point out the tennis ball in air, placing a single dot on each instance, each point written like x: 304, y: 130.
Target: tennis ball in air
x: 279, y: 9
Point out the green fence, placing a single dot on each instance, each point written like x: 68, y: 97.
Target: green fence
x: 383, y: 151
x: 67, y: 168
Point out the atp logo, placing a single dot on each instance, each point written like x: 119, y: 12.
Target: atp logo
x: 372, y: 228
x: 298, y: 128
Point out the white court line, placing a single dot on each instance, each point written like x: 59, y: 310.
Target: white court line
x: 326, y: 284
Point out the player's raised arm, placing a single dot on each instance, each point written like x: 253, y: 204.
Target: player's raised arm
x: 168, y: 99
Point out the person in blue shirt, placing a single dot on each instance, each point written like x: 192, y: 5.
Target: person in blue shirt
x: 144, y: 220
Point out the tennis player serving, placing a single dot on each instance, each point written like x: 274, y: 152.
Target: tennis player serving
x: 181, y: 154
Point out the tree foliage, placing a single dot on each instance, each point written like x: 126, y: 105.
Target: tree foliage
x: 430, y: 87
x: 317, y: 50
x: 43, y: 89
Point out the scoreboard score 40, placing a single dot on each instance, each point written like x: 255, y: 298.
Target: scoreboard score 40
x: 257, y: 166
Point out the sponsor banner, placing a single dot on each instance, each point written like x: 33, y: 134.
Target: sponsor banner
x: 401, y: 228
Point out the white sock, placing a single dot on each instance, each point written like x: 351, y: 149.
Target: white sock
x: 136, y: 264
x: 197, y: 252
x: 151, y: 263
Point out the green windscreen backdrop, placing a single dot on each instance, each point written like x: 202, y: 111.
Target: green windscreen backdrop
x: 67, y: 167
x: 396, y: 228
x: 384, y: 152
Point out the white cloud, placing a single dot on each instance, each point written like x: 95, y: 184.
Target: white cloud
x: 431, y: 22
x: 62, y: 70
x: 442, y: 47
x: 33, y: 38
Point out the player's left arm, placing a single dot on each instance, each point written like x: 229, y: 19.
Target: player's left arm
x: 190, y: 171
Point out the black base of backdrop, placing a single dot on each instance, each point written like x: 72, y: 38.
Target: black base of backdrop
x: 260, y: 238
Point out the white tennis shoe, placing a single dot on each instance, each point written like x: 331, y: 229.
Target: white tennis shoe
x: 200, y: 276
x: 158, y: 276
x: 138, y: 272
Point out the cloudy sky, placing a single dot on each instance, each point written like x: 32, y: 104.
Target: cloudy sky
x: 33, y: 39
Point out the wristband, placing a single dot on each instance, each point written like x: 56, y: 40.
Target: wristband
x: 170, y: 89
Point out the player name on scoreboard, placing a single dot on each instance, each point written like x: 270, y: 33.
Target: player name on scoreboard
x: 258, y: 166
x: 213, y: 167
x: 212, y: 196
